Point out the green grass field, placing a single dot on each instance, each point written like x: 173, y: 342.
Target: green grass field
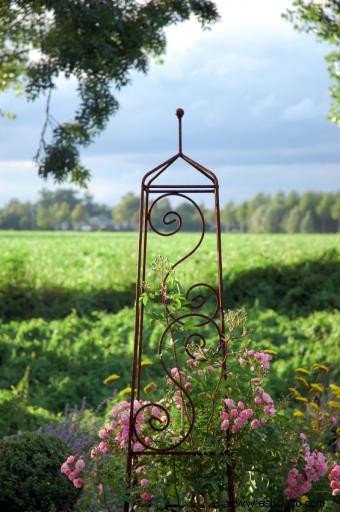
x: 67, y: 309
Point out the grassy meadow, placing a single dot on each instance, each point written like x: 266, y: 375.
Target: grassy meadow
x: 67, y: 309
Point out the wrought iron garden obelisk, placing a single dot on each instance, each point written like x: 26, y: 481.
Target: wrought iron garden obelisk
x: 153, y: 192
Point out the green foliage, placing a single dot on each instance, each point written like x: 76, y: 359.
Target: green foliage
x: 30, y: 474
x: 322, y: 19
x: 96, y: 43
x: 66, y: 304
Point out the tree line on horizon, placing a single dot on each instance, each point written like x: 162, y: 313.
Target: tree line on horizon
x: 64, y: 209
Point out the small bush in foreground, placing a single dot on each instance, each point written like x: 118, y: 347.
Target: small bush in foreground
x: 30, y: 479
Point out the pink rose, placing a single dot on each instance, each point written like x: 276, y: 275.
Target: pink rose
x: 229, y: 402
x: 255, y: 424
x: 155, y: 412
x: 257, y: 400
x: 70, y: 459
x: 80, y: 464
x: 103, y: 433
x: 103, y: 448
x: 144, y: 482
x: 78, y: 482
x: 249, y: 412
x: 64, y: 468
x: 240, y: 405
x: 225, y: 425
x: 138, y: 447
x: 234, y: 413
x: 146, y: 496
x: 267, y: 398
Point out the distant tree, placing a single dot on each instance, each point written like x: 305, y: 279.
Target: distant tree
x: 17, y: 215
x: 323, y: 210
x: 335, y: 211
x: 309, y: 202
x: 125, y: 214
x: 256, y: 224
x: 190, y: 216
x: 79, y: 215
x: 48, y: 198
x: 292, y: 200
x: 95, y: 209
x: 242, y: 215
x: 61, y: 215
x: 98, y: 44
x: 44, y: 217
x: 292, y: 220
x: 272, y: 219
x: 307, y: 223
x: 228, y: 216
x: 321, y: 17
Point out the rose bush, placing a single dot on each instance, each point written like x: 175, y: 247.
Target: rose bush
x: 213, y: 400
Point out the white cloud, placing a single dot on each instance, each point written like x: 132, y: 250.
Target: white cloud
x: 303, y: 109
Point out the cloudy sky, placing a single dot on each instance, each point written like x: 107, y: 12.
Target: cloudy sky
x: 255, y: 94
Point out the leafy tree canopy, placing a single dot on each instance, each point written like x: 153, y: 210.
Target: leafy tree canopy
x: 322, y: 17
x: 97, y: 42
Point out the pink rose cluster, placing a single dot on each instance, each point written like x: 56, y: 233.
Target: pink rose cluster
x: 334, y: 477
x: 264, y: 400
x: 260, y: 357
x: 118, y: 430
x: 299, y: 483
x: 237, y: 416
x: 72, y: 468
x: 182, y: 378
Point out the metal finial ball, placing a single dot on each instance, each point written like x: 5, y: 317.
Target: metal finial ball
x: 179, y: 113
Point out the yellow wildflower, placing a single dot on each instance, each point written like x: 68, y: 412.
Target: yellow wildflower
x: 271, y: 352
x: 295, y: 391
x: 314, y: 406
x: 304, y: 499
x: 302, y: 371
x: 125, y: 391
x: 333, y: 404
x: 150, y: 388
x: 335, y: 390
x: 303, y: 382
x: 298, y: 414
x: 317, y: 386
x: 111, y: 378
x: 320, y: 368
x: 338, y: 431
x: 146, y: 362
x: 301, y: 398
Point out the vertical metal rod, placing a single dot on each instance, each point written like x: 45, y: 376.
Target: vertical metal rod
x: 139, y: 363
x: 230, y: 472
x: 180, y: 114
x: 136, y: 345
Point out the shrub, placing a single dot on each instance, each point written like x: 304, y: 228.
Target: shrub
x: 30, y: 474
